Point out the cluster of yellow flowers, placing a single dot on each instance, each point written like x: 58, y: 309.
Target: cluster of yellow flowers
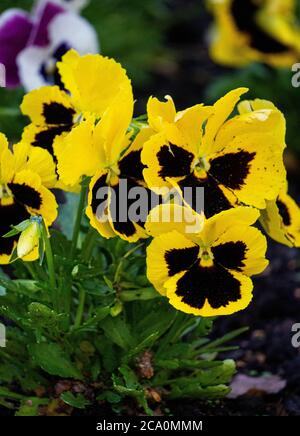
x: 87, y: 130
x: 246, y: 31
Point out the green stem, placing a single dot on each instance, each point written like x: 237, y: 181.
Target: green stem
x: 120, y: 265
x: 88, y: 244
x: 80, y: 308
x: 80, y: 211
x: 50, y: 264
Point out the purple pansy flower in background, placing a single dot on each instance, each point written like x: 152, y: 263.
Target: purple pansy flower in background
x: 30, y: 46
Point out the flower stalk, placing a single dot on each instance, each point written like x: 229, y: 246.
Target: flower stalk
x: 79, y: 215
x: 50, y: 264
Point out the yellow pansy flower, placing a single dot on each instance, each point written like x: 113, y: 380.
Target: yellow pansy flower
x: 246, y: 31
x: 92, y: 83
x: 23, y: 194
x: 236, y: 160
x: 106, y: 152
x: 207, y: 273
x: 281, y: 219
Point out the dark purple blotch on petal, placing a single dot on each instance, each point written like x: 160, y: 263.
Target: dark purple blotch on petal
x: 45, y: 14
x: 15, y: 30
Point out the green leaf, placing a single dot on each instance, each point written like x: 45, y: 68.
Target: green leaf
x: 77, y: 401
x: 23, y: 287
x: 191, y: 390
x: 110, y: 353
x: 130, y: 377
x: 108, y: 282
x: 148, y: 293
x: 146, y: 343
x: 130, y: 387
x: 109, y: 396
x: 226, y: 338
x: 44, y: 317
x: 100, y: 314
x: 118, y: 332
x: 17, y: 229
x: 54, y: 360
x: 157, y: 318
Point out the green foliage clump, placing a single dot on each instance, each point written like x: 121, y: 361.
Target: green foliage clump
x: 104, y: 335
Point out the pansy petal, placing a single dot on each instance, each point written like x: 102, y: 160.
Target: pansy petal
x: 97, y: 204
x: 165, y: 160
x: 160, y: 112
x: 7, y: 166
x: 281, y: 220
x: 20, y: 153
x: 247, y: 106
x: 184, y: 127
x: 219, y: 224
x: 30, y: 65
x: 44, y: 136
x: 28, y: 190
x: 216, y: 197
x: 170, y: 217
x: 76, y: 154
x: 36, y: 160
x: 221, y: 111
x: 61, y: 31
x: 209, y: 291
x: 190, y: 123
x: 264, y: 120
x: 45, y: 12
x: 131, y: 164
x: 3, y: 143
x: 241, y: 248
x: 15, y: 29
x: 128, y: 213
x: 48, y: 105
x: 93, y: 80
x: 167, y: 255
x: 253, y: 172
x: 114, y: 124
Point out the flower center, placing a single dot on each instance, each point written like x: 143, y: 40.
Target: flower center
x: 201, y: 167
x: 206, y: 257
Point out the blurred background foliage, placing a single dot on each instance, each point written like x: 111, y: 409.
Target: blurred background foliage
x: 163, y: 45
